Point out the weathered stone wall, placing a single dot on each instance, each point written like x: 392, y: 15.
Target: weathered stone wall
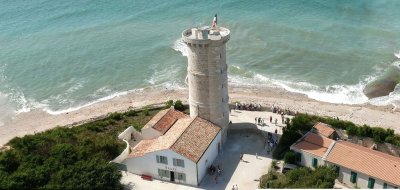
x: 207, y: 76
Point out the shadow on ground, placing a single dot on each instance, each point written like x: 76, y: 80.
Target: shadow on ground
x: 249, y: 141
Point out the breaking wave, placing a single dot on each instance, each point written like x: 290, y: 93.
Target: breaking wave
x: 180, y: 46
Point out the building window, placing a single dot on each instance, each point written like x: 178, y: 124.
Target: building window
x: 314, y: 162
x: 337, y: 169
x: 371, y: 183
x: 163, y: 173
x: 179, y: 162
x: 181, y: 176
x: 162, y: 159
x: 353, y: 177
x: 385, y: 185
x: 298, y: 157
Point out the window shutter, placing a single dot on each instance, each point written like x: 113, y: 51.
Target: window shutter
x: 353, y: 177
x: 183, y: 177
x: 183, y: 164
x: 298, y: 157
x: 371, y: 183
x: 315, y: 162
x: 158, y: 159
x: 385, y: 185
x: 174, y: 161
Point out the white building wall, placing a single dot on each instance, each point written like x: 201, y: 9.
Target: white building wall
x: 148, y: 165
x: 209, y: 156
x: 306, y: 159
x: 362, y: 179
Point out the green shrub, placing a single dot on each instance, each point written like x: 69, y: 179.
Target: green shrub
x: 290, y: 157
x: 169, y: 104
x: 146, y: 112
x: 179, y: 106
x: 288, y: 138
x: 303, y: 178
x: 116, y: 116
x: 131, y: 113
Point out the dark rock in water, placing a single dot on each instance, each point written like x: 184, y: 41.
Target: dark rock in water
x: 384, y: 85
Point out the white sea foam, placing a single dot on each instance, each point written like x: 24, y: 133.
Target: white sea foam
x: 397, y: 54
x: 116, y: 94
x: 180, y: 46
x: 344, y: 94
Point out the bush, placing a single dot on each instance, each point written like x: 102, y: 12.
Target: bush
x: 116, y: 116
x: 131, y: 113
x: 169, y: 104
x: 146, y: 112
x: 302, y: 178
x: 290, y: 157
x: 179, y: 106
x: 288, y: 138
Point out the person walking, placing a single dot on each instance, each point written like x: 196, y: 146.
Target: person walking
x: 270, y: 119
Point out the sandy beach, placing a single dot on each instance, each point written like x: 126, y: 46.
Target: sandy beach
x: 38, y: 120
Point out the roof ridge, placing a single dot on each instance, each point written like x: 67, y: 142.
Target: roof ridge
x: 372, y: 153
x: 180, y: 135
x: 333, y: 143
x: 318, y: 136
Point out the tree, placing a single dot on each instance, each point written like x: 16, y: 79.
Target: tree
x: 290, y: 157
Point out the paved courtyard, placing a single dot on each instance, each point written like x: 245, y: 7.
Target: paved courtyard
x: 244, y: 136
x: 244, y: 173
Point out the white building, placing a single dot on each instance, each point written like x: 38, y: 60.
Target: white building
x: 357, y: 166
x: 175, y: 147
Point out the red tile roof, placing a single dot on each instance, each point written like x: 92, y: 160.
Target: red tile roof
x: 324, y: 129
x: 367, y: 161
x: 314, y: 144
x: 196, y: 139
x: 186, y: 136
x: 164, y: 119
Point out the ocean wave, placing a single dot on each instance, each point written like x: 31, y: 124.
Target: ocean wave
x: 337, y: 93
x: 105, y: 98
x: 397, y: 54
x: 180, y: 46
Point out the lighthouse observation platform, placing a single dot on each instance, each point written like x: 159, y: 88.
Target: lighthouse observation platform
x: 206, y: 35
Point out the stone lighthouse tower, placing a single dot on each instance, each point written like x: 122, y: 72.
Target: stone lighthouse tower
x: 207, y: 74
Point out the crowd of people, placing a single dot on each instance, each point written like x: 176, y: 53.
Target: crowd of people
x: 282, y: 111
x: 248, y: 107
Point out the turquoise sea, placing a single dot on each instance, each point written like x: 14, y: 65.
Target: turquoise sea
x: 61, y: 55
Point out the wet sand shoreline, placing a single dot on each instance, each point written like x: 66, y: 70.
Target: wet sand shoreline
x: 39, y: 120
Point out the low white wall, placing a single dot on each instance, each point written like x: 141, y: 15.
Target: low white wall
x: 126, y: 135
x: 210, y: 155
x: 123, y: 155
x: 148, y: 165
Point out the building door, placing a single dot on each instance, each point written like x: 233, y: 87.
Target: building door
x: 172, y: 174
